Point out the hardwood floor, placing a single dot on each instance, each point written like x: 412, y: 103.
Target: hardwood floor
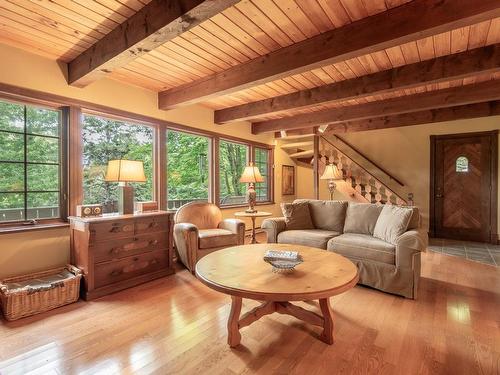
x: 177, y: 325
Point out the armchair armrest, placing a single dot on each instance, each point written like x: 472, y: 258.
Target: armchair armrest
x: 273, y: 226
x: 186, y: 243
x: 409, y: 243
x: 236, y: 226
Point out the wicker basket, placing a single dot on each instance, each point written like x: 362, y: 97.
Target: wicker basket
x: 37, y: 292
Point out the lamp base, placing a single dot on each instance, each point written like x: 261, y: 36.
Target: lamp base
x: 251, y: 199
x: 125, y: 200
x: 331, y: 188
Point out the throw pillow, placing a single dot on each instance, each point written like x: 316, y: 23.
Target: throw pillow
x: 361, y: 217
x: 327, y: 215
x: 297, y: 215
x: 392, y: 223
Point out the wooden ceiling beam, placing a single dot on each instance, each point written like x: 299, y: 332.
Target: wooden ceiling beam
x: 468, y: 94
x: 419, y: 118
x: 412, y: 21
x: 153, y: 25
x: 456, y: 66
x: 297, y: 133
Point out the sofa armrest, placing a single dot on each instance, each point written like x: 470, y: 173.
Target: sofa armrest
x: 273, y: 226
x: 186, y: 243
x: 236, y: 226
x: 409, y: 243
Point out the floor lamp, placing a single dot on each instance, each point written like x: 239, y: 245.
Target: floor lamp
x: 332, y: 174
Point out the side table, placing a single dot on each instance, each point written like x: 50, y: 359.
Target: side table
x: 253, y: 216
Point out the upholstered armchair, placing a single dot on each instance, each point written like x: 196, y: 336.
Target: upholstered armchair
x: 199, y: 230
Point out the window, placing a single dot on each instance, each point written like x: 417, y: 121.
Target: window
x: 262, y: 162
x: 187, y: 168
x: 233, y: 158
x: 462, y: 164
x: 107, y: 139
x: 29, y: 162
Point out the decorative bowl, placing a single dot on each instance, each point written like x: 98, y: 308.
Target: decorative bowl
x: 284, y: 265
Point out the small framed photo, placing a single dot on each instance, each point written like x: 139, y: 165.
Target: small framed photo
x: 288, y: 180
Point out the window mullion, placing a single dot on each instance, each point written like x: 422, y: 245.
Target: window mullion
x: 25, y: 136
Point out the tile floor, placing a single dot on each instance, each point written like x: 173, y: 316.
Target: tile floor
x: 476, y: 251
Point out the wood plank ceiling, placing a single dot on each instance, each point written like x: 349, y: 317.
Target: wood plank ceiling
x: 62, y: 30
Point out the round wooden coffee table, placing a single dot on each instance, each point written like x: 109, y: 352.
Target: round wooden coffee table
x: 241, y: 272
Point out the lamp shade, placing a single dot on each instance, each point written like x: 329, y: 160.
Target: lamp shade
x: 251, y: 174
x: 331, y: 173
x: 125, y: 171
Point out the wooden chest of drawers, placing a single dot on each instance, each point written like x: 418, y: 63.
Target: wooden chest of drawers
x: 116, y: 252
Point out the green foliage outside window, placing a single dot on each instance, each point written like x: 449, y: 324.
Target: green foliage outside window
x: 187, y: 167
x: 262, y: 162
x: 29, y: 162
x: 232, y: 160
x: 107, y: 139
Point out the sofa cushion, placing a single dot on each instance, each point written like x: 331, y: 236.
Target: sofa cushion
x: 209, y: 238
x: 297, y: 215
x: 392, y: 223
x: 361, y: 217
x: 363, y: 246
x: 327, y: 215
x: 309, y: 237
x: 415, y: 218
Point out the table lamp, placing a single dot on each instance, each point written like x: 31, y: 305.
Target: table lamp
x: 331, y: 173
x: 251, y: 175
x: 125, y: 171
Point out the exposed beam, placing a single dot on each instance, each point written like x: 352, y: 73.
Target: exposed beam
x: 468, y: 94
x: 304, y: 144
x: 153, y: 25
x: 418, y: 118
x: 430, y: 116
x: 297, y: 133
x: 456, y: 66
x: 414, y: 20
x: 302, y: 154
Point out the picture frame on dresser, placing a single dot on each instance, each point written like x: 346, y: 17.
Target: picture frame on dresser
x: 116, y: 252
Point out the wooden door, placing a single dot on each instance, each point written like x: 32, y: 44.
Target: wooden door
x: 464, y: 186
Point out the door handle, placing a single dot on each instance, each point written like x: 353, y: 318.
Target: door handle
x: 439, y: 195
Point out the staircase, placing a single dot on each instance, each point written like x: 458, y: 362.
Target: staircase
x: 363, y: 180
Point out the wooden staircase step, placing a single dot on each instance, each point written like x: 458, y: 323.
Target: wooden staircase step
x: 306, y: 144
x: 302, y: 154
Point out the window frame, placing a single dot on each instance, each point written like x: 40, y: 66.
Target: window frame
x: 269, y: 173
x: 209, y: 160
x: 251, y: 159
x: 128, y: 122
x: 30, y: 224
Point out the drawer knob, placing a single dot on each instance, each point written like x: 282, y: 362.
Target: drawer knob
x: 116, y: 273
x: 115, y: 250
x: 153, y: 242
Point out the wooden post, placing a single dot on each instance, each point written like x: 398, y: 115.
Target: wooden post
x: 316, y: 166
x: 75, y: 157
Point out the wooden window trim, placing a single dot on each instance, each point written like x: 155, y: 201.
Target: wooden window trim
x: 42, y: 225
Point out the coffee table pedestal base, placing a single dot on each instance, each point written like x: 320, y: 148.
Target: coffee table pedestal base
x: 235, y: 323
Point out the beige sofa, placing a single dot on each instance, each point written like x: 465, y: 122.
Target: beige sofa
x: 347, y: 229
